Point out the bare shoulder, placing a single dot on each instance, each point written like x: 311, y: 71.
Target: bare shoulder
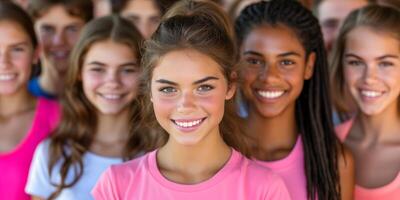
x: 346, y: 172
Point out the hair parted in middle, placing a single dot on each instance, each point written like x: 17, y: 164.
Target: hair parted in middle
x: 204, y: 27
x: 313, y: 106
x: 76, y: 132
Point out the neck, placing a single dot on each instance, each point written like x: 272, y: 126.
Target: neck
x: 193, y: 163
x: 50, y: 80
x: 113, y: 128
x: 381, y: 127
x: 273, y: 134
x: 16, y: 103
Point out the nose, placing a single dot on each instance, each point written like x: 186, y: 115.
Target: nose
x: 370, y: 73
x: 59, y: 38
x: 269, y: 72
x: 4, y: 59
x: 186, y: 102
x: 113, y: 79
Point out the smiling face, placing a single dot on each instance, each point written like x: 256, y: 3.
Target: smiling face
x: 372, y: 69
x: 110, y: 76
x: 16, y: 58
x: 275, y: 67
x: 188, y: 91
x: 58, y: 32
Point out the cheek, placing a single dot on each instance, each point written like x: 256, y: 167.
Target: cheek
x: 90, y: 83
x: 163, y: 107
x: 351, y: 75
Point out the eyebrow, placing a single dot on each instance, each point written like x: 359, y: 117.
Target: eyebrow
x: 194, y: 83
x: 290, y: 53
x: 20, y: 43
x: 103, y: 64
x: 379, y: 58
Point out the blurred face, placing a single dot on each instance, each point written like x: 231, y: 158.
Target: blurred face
x: 110, y: 76
x: 58, y: 31
x: 372, y: 69
x: 144, y: 14
x: 332, y: 13
x: 16, y: 58
x: 275, y: 67
x: 102, y: 8
x: 188, y: 93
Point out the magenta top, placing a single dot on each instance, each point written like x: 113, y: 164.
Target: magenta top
x: 390, y: 191
x: 291, y: 169
x: 14, y: 165
x: 239, y: 179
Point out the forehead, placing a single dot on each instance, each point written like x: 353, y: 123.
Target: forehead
x: 12, y: 32
x: 141, y: 7
x: 364, y: 40
x: 111, y: 52
x: 338, y: 9
x: 272, y: 39
x: 186, y: 65
x: 58, y: 15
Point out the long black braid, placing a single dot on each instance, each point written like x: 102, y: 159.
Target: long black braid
x: 313, y: 107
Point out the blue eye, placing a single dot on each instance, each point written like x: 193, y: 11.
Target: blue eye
x: 354, y: 63
x: 167, y: 90
x: 385, y: 64
x: 129, y: 70
x: 205, y: 88
x: 18, y: 49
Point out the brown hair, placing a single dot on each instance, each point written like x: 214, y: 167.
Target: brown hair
x: 75, y: 133
x: 201, y: 26
x: 380, y: 18
x: 77, y: 8
x: 12, y: 12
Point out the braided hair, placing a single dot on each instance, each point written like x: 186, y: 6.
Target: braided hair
x: 313, y: 106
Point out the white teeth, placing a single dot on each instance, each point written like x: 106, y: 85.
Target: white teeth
x: 271, y: 94
x: 7, y: 77
x: 188, y: 124
x: 111, y: 96
x: 369, y: 93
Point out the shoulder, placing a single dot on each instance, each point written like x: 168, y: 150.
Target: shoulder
x: 128, y: 170
x: 50, y: 110
x: 345, y: 161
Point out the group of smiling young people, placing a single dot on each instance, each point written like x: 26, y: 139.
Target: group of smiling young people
x: 203, y: 109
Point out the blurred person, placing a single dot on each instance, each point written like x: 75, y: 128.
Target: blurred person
x: 57, y: 26
x: 102, y: 8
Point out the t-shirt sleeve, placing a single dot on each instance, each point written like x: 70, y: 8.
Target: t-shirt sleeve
x: 105, y: 188
x: 278, y: 190
x: 38, y: 183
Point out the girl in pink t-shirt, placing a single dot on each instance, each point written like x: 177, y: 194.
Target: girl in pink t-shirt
x: 285, y: 93
x: 189, y: 77
x: 366, y: 69
x: 24, y: 119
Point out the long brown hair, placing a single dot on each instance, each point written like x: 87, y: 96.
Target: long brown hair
x: 75, y: 134
x: 380, y: 18
x: 201, y: 26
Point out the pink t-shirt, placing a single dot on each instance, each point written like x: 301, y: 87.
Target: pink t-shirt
x: 239, y: 179
x: 390, y: 191
x: 291, y: 169
x: 14, y: 165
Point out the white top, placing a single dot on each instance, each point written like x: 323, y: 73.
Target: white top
x: 39, y: 180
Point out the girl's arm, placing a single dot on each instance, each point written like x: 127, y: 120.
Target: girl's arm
x: 346, y: 173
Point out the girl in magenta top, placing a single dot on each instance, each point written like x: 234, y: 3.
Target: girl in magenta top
x: 24, y: 119
x: 285, y: 94
x: 366, y: 70
x: 189, y: 77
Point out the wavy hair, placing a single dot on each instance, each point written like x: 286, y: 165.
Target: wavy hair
x: 76, y: 132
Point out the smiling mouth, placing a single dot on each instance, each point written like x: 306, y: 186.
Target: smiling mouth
x: 7, y: 77
x: 270, y: 94
x: 188, y: 123
x: 112, y: 97
x: 371, y: 93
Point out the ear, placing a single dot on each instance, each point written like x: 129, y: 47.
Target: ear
x: 232, y: 86
x: 310, y: 63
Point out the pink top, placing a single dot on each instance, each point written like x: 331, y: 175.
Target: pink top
x: 291, y: 169
x: 390, y: 191
x: 14, y: 165
x: 239, y: 179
